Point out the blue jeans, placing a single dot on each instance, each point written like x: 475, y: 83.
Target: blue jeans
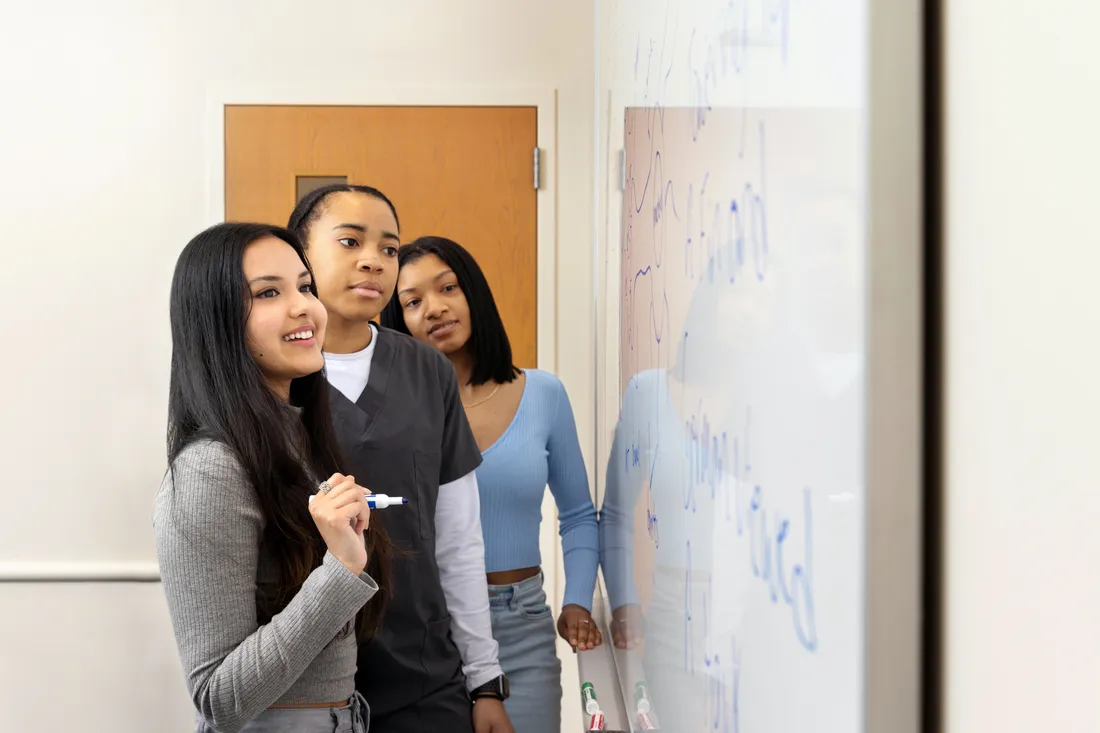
x: 352, y: 718
x: 523, y: 627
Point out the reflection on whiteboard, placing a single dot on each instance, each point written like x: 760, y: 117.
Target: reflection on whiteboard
x: 733, y: 516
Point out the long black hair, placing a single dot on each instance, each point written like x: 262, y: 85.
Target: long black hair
x: 311, y: 206
x: 489, y: 345
x: 218, y: 392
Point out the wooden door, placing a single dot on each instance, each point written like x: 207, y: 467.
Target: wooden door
x: 460, y: 172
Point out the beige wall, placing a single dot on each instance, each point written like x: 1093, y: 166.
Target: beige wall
x: 104, y: 162
x: 1023, y: 366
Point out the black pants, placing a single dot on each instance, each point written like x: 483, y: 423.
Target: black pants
x: 447, y: 710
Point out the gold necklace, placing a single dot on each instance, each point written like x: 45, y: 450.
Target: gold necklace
x: 484, y: 399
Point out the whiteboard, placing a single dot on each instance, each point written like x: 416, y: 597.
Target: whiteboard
x: 742, y: 247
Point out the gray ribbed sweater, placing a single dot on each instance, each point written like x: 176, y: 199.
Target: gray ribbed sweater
x: 208, y: 528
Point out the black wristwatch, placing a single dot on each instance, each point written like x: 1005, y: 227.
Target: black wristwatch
x: 496, y: 688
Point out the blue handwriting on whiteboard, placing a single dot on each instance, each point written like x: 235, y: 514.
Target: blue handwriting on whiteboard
x: 769, y: 531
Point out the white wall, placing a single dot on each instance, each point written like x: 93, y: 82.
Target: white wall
x: 1023, y: 366
x: 103, y: 165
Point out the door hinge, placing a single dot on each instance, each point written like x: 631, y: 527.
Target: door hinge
x: 537, y: 161
x: 622, y: 170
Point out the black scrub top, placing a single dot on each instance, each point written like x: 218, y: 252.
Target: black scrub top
x: 405, y: 435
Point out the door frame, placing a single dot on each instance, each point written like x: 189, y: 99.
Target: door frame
x: 544, y: 99
x: 319, y: 94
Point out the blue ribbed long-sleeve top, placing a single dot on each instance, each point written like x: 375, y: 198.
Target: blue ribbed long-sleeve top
x: 539, y: 448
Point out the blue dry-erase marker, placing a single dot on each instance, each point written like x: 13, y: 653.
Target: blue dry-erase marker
x: 381, y: 501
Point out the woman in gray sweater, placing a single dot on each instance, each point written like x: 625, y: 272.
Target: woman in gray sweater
x: 269, y: 590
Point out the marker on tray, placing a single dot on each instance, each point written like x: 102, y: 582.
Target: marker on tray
x: 641, y: 697
x: 588, y: 696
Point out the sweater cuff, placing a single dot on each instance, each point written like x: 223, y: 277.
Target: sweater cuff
x: 581, y: 567
x: 574, y: 598
x: 478, y: 679
x: 347, y: 589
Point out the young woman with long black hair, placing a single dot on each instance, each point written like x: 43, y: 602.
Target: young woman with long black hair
x: 271, y: 575
x: 524, y: 426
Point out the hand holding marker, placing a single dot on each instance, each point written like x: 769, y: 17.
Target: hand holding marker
x: 341, y: 514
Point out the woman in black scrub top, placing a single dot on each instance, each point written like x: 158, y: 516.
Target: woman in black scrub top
x: 403, y: 431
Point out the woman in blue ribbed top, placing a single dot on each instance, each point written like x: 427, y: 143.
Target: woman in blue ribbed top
x: 524, y: 426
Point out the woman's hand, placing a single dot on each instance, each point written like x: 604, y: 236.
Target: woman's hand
x: 627, y: 626
x: 342, y: 515
x: 491, y: 717
x: 577, y: 627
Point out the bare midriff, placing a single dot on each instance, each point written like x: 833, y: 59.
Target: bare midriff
x: 507, y: 577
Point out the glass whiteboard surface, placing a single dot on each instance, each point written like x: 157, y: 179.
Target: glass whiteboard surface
x: 741, y: 250
x: 733, y: 506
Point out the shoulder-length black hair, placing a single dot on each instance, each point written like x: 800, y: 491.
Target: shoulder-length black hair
x: 218, y: 392
x: 311, y: 206
x: 489, y: 345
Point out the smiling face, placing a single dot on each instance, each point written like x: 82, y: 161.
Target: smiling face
x: 434, y: 306
x: 286, y: 322
x: 352, y: 247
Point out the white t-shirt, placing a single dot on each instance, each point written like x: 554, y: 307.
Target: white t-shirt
x: 350, y: 373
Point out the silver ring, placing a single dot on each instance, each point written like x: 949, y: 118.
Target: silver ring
x: 325, y: 487
x: 583, y: 621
